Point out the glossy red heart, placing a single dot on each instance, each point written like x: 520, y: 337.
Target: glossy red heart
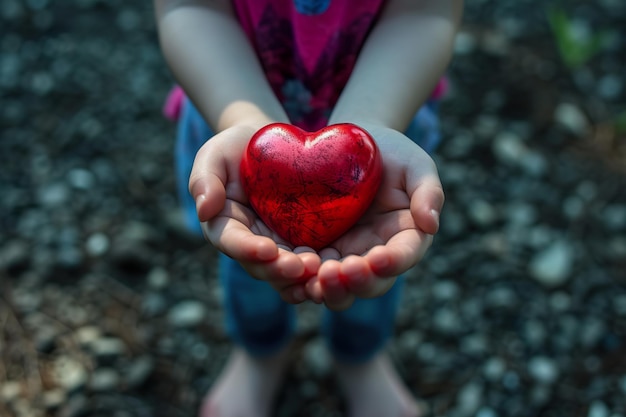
x: 310, y: 188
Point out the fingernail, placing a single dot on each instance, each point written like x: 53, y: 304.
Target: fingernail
x: 200, y: 199
x: 435, y: 215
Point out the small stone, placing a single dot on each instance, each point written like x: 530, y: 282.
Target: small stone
x: 97, y: 244
x: 610, y: 86
x: 469, y: 399
x: 553, y: 266
x: 560, y: 301
x: 54, y: 398
x: 598, y: 409
x: 446, y: 321
x: 15, y: 255
x: 535, y: 332
x: 187, y: 314
x: 104, y: 379
x: 81, y: 179
x: 494, y: 369
x: 622, y: 384
x: 474, y: 344
x: 486, y: 412
x: 482, y: 213
x: 540, y: 395
x: 509, y: 148
x: 54, y: 195
x: 409, y: 341
x: 614, y: 216
x: 106, y: 348
x: 592, y: 330
x: 521, y: 214
x: 139, y: 371
x: 70, y: 374
x: 158, y: 278
x: 87, y: 335
x: 445, y: 290
x: 572, y: 118
x: 543, y: 369
x: 317, y: 358
x: 464, y: 43
x: 619, y: 304
x: 9, y: 391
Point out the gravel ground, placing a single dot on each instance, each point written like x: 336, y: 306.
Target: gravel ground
x: 109, y: 308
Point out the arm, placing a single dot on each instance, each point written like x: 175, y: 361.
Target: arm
x: 210, y: 56
x: 212, y: 59
x: 399, y: 66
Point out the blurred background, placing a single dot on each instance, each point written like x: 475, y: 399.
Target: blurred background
x: 109, y: 308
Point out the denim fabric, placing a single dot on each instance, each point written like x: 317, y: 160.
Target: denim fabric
x: 256, y: 317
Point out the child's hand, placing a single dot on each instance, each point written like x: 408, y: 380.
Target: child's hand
x: 233, y: 227
x: 394, y: 233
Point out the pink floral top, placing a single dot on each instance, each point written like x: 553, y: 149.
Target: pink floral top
x: 308, y: 49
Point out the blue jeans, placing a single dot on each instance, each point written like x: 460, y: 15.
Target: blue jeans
x: 256, y: 317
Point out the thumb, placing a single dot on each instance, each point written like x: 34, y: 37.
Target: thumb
x: 427, y: 201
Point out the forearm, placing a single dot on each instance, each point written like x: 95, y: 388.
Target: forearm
x: 211, y: 58
x: 400, y: 64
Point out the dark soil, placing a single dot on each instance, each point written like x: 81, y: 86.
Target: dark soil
x: 108, y: 307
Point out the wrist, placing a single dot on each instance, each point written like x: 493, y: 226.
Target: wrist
x: 249, y: 115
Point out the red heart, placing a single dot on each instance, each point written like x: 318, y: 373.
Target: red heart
x: 310, y: 188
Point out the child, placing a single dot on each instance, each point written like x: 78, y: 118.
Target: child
x: 247, y: 63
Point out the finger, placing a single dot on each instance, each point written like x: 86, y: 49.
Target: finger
x: 294, y: 294
x: 207, y: 182
x: 314, y: 290
x: 286, y: 270
x: 403, y: 251
x: 237, y: 241
x: 427, y: 199
x: 335, y: 295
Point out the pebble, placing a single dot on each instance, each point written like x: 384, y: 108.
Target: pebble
x: 543, y: 369
x: 108, y: 348
x: 54, y: 398
x: 482, y: 212
x: 54, y: 195
x: 552, y: 266
x: 87, y: 335
x: 10, y: 390
x: 81, y: 179
x: 97, y: 244
x: 70, y: 374
x: 486, y: 412
x: 138, y: 372
x: 509, y: 148
x: 317, y: 358
x: 598, y: 409
x: 104, y: 379
x: 610, y: 86
x: 572, y: 118
x: 445, y: 290
x: 158, y: 278
x: 465, y: 43
x: 187, y: 314
x: 446, y: 321
x: 494, y: 369
x: 591, y: 331
x: 469, y: 399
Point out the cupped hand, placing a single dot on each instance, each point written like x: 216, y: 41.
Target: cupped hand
x: 234, y: 228
x: 392, y: 236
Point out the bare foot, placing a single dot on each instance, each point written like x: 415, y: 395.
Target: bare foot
x: 247, y: 386
x: 374, y: 389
